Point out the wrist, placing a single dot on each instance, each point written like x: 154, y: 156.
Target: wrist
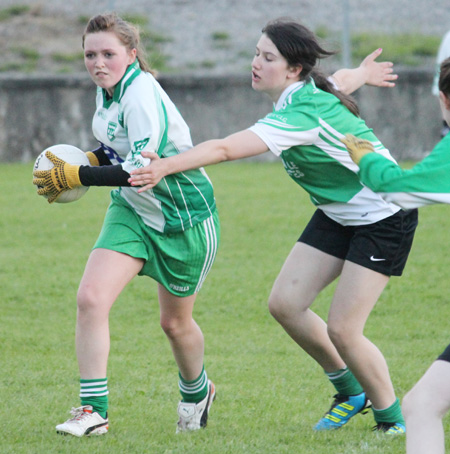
x: 167, y: 166
x: 72, y: 174
x: 93, y: 160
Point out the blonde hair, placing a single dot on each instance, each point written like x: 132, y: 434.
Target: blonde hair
x: 127, y: 33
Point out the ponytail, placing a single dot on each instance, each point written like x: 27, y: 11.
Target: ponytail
x: 324, y: 84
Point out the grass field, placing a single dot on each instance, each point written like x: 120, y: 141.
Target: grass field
x: 269, y: 393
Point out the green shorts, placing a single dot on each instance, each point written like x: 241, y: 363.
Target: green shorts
x: 179, y: 261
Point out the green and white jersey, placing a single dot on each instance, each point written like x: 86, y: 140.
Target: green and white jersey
x: 426, y: 183
x: 141, y: 117
x: 304, y: 129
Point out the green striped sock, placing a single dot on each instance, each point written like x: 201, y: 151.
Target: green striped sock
x: 390, y: 414
x: 195, y: 390
x: 345, y: 382
x: 95, y: 392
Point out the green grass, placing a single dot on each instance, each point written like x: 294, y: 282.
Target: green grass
x: 269, y: 393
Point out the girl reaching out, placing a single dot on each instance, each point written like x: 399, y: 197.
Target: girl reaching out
x: 354, y: 235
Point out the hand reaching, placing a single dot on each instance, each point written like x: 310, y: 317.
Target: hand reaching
x: 357, y: 147
x: 149, y: 176
x: 379, y: 74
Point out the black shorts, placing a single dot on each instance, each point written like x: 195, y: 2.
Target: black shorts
x: 383, y: 246
x: 445, y: 356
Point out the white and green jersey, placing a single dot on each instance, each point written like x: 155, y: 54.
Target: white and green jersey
x: 426, y: 183
x: 141, y: 117
x: 304, y: 129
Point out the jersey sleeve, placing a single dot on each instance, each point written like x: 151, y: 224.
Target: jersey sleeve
x: 281, y: 130
x: 426, y: 183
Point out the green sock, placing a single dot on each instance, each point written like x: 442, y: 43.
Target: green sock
x: 390, y: 414
x: 345, y: 382
x: 194, y: 390
x: 95, y: 392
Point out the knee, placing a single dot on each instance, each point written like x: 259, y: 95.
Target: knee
x: 174, y: 327
x: 408, y: 405
x: 341, y: 336
x: 285, y: 307
x: 88, y: 300
x: 279, y: 307
x: 417, y: 402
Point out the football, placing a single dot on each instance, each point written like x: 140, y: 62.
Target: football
x: 70, y: 154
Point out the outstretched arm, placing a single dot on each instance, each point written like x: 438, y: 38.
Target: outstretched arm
x: 240, y: 145
x: 426, y: 183
x: 369, y: 72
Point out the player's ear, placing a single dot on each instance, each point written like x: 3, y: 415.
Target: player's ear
x: 445, y: 100
x: 132, y: 55
x: 294, y: 71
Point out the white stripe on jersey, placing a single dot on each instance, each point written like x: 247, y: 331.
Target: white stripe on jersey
x: 185, y: 204
x: 280, y: 124
x: 175, y: 205
x: 408, y: 200
x: 198, y: 190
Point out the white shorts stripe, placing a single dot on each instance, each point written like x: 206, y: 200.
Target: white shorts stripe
x: 212, y: 244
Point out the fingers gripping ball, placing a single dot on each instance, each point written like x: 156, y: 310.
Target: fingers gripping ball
x: 357, y: 147
x: 62, y: 184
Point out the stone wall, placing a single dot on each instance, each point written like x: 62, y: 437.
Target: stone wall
x: 37, y: 112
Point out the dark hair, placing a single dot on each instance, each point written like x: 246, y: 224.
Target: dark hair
x: 127, y: 33
x: 299, y: 46
x: 444, y: 77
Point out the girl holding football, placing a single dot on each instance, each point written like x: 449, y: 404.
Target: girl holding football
x: 170, y: 234
x: 428, y: 182
x: 354, y: 235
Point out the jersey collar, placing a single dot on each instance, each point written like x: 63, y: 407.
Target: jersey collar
x: 130, y: 74
x: 285, y: 97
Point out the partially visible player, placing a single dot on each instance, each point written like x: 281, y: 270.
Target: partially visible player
x: 443, y: 53
x: 354, y: 235
x: 428, y: 182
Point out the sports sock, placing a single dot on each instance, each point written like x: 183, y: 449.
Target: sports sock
x: 345, y: 382
x: 195, y: 390
x: 95, y: 392
x: 390, y: 414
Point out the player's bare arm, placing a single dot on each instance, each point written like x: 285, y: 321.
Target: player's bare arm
x: 369, y: 72
x: 240, y: 145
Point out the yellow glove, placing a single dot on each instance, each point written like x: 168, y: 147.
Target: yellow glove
x: 93, y: 160
x: 61, y: 177
x: 357, y: 147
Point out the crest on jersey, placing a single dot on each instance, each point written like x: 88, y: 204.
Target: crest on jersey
x: 140, y: 144
x: 111, y: 130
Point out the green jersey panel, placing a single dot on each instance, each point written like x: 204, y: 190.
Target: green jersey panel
x: 305, y: 129
x: 426, y: 183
